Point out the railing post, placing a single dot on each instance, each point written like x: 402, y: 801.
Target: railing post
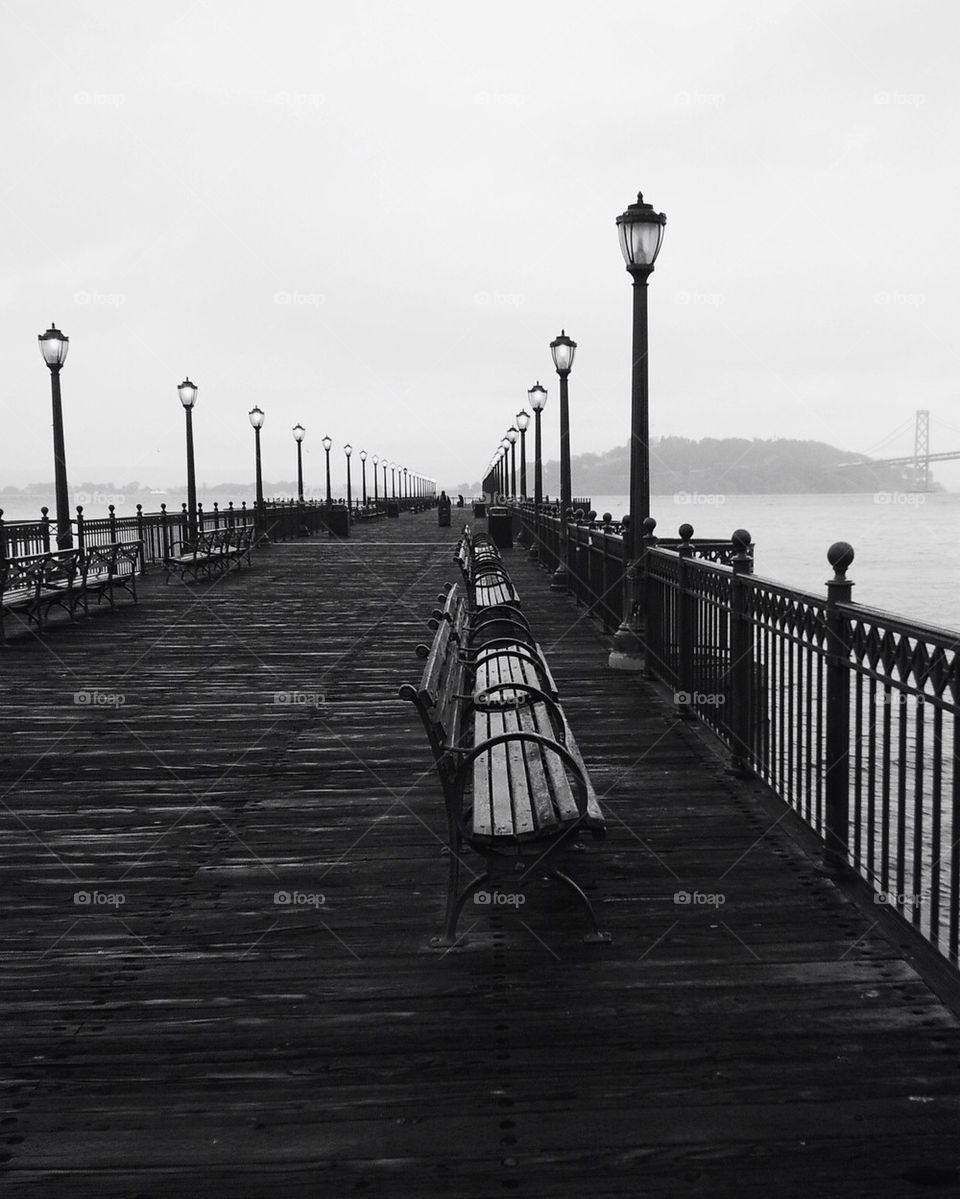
x: 3, y: 539
x: 142, y: 540
x: 216, y: 515
x: 231, y: 515
x: 686, y: 627
x: 45, y: 529
x: 164, y: 532
x: 738, y: 692
x: 81, y: 532
x: 112, y: 522
x: 836, y: 833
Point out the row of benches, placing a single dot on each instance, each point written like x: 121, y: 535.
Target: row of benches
x: 515, y: 787
x: 33, y: 585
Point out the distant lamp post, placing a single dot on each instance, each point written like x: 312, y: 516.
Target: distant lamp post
x: 348, y: 450
x: 537, y: 397
x: 406, y: 489
x: 376, y: 498
x: 384, y: 464
x: 54, y: 347
x: 256, y: 419
x: 523, y: 420
x: 563, y: 351
x: 512, y: 435
x: 363, y: 466
x: 188, y: 398
x: 393, y: 480
x: 299, y: 432
x: 327, y: 443
x: 640, y: 229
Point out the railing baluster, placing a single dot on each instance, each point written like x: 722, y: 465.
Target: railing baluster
x: 836, y: 832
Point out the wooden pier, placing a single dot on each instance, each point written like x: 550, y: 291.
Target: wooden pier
x: 187, y: 763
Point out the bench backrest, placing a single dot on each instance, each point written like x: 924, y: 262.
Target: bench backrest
x: 33, y: 572
x: 439, y: 697
x: 116, y: 558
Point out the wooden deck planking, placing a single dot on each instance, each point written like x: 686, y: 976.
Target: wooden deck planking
x: 202, y: 1039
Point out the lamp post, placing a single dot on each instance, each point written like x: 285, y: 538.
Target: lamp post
x: 299, y: 432
x: 523, y: 420
x: 563, y: 350
x: 537, y: 397
x: 348, y: 450
x: 363, y: 466
x: 393, y: 480
x: 384, y: 463
x: 327, y: 443
x: 406, y: 490
x: 256, y: 419
x: 640, y: 229
x: 376, y: 497
x: 512, y: 436
x: 188, y: 397
x: 54, y: 347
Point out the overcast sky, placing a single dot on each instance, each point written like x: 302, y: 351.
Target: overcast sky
x: 373, y: 218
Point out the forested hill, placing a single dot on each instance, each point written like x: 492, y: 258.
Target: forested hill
x: 730, y: 465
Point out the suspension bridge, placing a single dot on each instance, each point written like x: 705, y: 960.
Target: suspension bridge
x: 918, y: 463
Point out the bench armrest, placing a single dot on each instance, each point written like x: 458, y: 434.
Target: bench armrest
x: 581, y: 791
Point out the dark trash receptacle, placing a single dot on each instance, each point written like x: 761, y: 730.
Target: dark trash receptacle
x: 500, y: 527
x: 443, y: 515
x: 393, y: 508
x: 337, y: 520
x: 479, y: 508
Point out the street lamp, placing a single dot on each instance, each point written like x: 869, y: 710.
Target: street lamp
x: 348, y: 450
x: 384, y: 464
x: 188, y: 397
x: 406, y: 491
x: 537, y: 397
x: 563, y: 350
x: 54, y: 347
x: 376, y: 497
x: 640, y: 229
x: 393, y: 480
x: 363, y: 463
x: 299, y: 432
x: 256, y: 419
x: 327, y: 443
x: 523, y: 420
x: 512, y: 436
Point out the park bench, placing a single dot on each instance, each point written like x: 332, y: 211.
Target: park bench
x: 515, y: 787
x: 214, y: 552
x: 107, y: 569
x: 485, y: 577
x: 368, y: 513
x: 32, y: 584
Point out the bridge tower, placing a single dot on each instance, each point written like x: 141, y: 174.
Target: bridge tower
x: 921, y: 451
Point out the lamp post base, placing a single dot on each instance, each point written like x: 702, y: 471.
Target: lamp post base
x: 559, y: 580
x: 627, y: 651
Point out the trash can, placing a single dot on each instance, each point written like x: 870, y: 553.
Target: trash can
x: 337, y: 520
x: 479, y: 508
x: 393, y: 508
x: 443, y: 515
x: 500, y: 527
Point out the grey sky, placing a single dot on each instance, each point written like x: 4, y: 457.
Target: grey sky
x: 373, y: 218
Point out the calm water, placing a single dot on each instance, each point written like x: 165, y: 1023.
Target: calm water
x: 907, y: 546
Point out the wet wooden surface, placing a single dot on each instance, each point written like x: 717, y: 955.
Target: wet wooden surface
x: 188, y: 763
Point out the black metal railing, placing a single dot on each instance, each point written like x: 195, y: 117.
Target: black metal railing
x: 849, y: 713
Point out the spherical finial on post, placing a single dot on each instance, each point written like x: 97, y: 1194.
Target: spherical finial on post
x: 840, y: 555
x: 740, y: 559
x: 685, y: 548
